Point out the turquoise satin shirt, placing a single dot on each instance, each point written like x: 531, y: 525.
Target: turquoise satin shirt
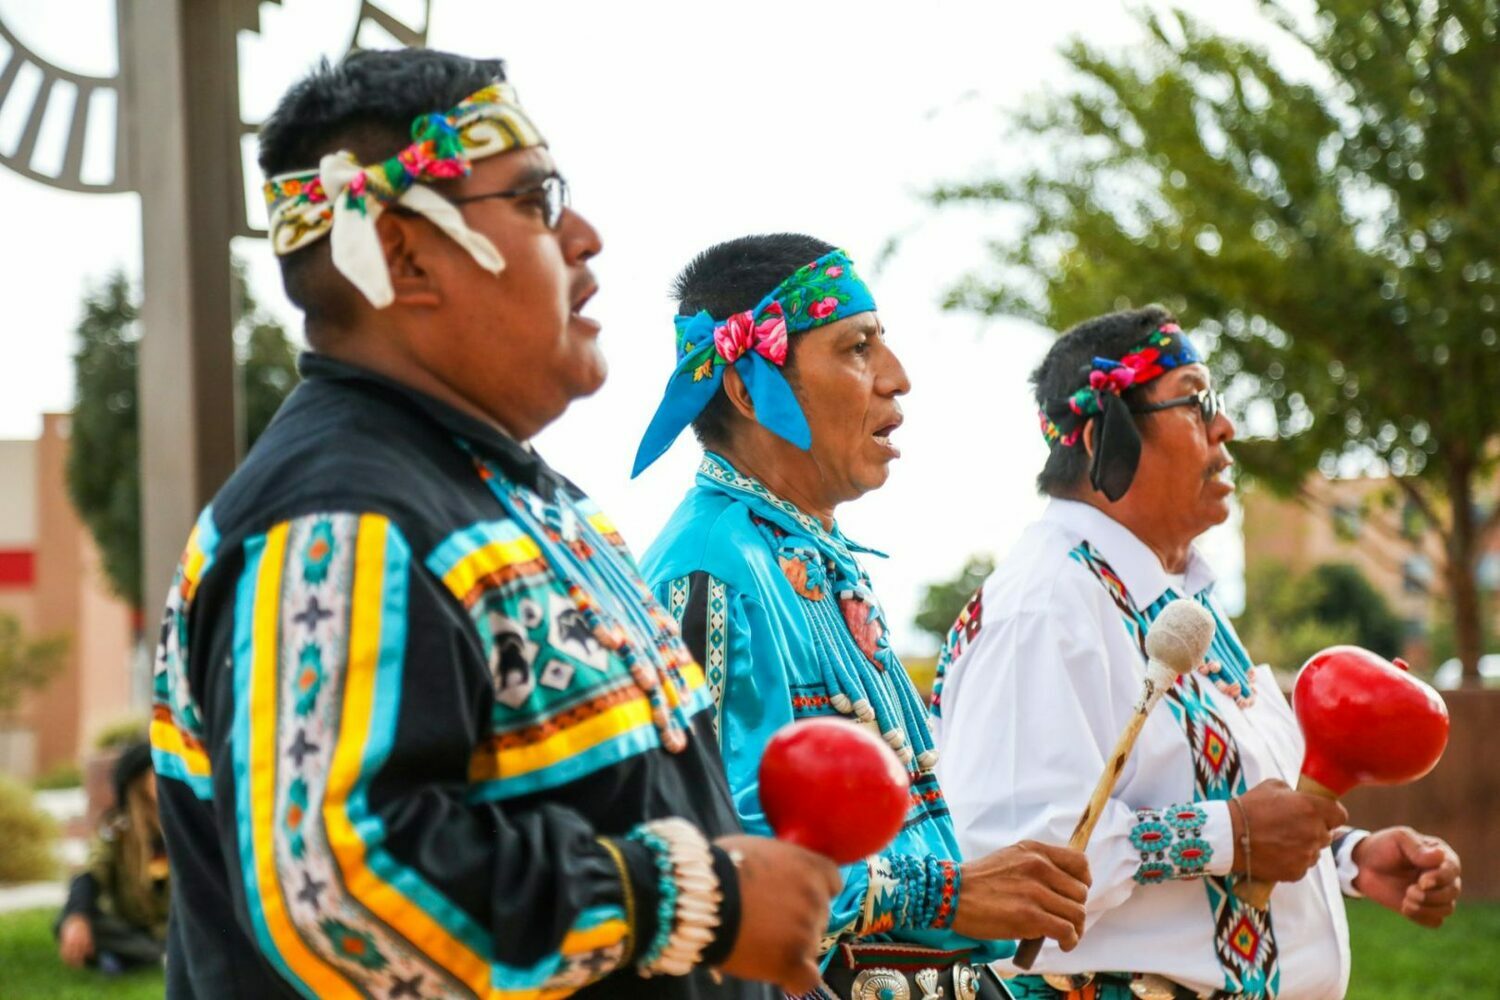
x: 787, y: 626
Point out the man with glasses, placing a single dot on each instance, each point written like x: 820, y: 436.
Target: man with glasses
x: 1043, y: 668
x: 422, y: 731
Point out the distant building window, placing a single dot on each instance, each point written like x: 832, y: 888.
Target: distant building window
x: 1416, y: 575
x: 1489, y: 571
x: 1346, y: 522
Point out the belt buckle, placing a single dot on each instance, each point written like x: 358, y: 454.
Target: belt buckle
x: 880, y: 984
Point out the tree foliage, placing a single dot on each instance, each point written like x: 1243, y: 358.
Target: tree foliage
x: 28, y: 837
x: 104, y: 453
x: 1289, y: 617
x: 1329, y: 234
x: 25, y: 663
x: 942, y: 601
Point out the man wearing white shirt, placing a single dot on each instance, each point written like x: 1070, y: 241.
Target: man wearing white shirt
x: 1044, y: 667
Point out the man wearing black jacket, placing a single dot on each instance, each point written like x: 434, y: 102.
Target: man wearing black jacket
x: 422, y: 729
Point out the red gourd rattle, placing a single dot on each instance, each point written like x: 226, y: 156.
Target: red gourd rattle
x: 1366, y: 721
x: 831, y: 786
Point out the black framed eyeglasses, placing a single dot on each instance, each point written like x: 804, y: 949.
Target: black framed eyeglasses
x: 552, y: 190
x: 1210, y: 404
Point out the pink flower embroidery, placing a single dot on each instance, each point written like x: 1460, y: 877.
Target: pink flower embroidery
x: 734, y: 336
x: 770, y: 335
x: 823, y: 308
x: 740, y: 333
x: 418, y: 160
x: 444, y: 169
x: 1115, y: 381
x: 836, y: 271
x: 415, y: 158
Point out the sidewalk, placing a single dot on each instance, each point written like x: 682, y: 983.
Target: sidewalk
x: 32, y: 896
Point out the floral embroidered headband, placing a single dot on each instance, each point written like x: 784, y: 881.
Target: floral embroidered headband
x: 1117, y: 447
x: 342, y: 199
x: 755, y: 343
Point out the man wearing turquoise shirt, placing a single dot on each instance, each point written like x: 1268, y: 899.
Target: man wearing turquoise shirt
x: 784, y: 374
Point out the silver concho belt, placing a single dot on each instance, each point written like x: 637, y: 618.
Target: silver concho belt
x: 892, y: 984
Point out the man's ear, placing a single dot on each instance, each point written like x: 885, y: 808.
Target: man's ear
x: 738, y: 393
x: 1088, y: 438
x: 402, y: 242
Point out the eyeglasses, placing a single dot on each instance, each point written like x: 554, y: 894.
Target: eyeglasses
x: 552, y: 189
x: 1209, y: 402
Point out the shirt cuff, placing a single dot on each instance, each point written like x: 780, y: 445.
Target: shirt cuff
x: 640, y: 892
x: 1218, y: 830
x: 642, y: 897
x: 1343, y: 859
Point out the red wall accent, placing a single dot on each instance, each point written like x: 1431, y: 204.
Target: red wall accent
x: 17, y: 567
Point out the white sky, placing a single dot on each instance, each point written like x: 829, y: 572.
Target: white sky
x: 680, y: 124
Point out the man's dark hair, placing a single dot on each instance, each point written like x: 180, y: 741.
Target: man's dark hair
x: 1065, y: 370
x: 731, y: 277
x: 365, y: 105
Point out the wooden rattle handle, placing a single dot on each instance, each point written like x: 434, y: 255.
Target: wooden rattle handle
x: 1257, y: 892
x: 1028, y: 949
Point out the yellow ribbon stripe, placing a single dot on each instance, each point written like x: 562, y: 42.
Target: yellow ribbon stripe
x: 374, y: 893
x: 565, y: 743
x: 169, y: 739
x: 491, y: 558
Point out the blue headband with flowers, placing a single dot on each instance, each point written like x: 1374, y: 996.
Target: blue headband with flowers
x: 755, y: 343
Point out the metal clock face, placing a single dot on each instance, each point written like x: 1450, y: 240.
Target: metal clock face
x: 91, y: 96
x: 95, y: 97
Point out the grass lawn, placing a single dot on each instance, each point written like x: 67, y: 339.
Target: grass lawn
x: 30, y: 969
x: 1393, y: 959
x: 1397, y: 960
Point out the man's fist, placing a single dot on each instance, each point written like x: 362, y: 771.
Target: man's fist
x: 785, y: 902
x: 1026, y: 890
x: 1288, y: 830
x: 1413, y: 874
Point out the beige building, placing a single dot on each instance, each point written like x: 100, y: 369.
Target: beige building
x: 51, y: 581
x: 1367, y: 523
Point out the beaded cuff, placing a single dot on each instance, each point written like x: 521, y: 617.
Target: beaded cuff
x: 666, y: 891
x: 1171, y: 843
x: 689, y: 894
x: 912, y: 893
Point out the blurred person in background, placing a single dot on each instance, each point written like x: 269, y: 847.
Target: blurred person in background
x: 115, y: 916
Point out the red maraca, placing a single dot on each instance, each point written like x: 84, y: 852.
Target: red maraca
x: 832, y: 787
x: 1366, y: 721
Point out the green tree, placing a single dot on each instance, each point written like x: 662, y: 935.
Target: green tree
x: 1342, y: 595
x: 1289, y: 617
x: 25, y: 663
x: 1333, y: 241
x: 104, y: 453
x: 942, y: 601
